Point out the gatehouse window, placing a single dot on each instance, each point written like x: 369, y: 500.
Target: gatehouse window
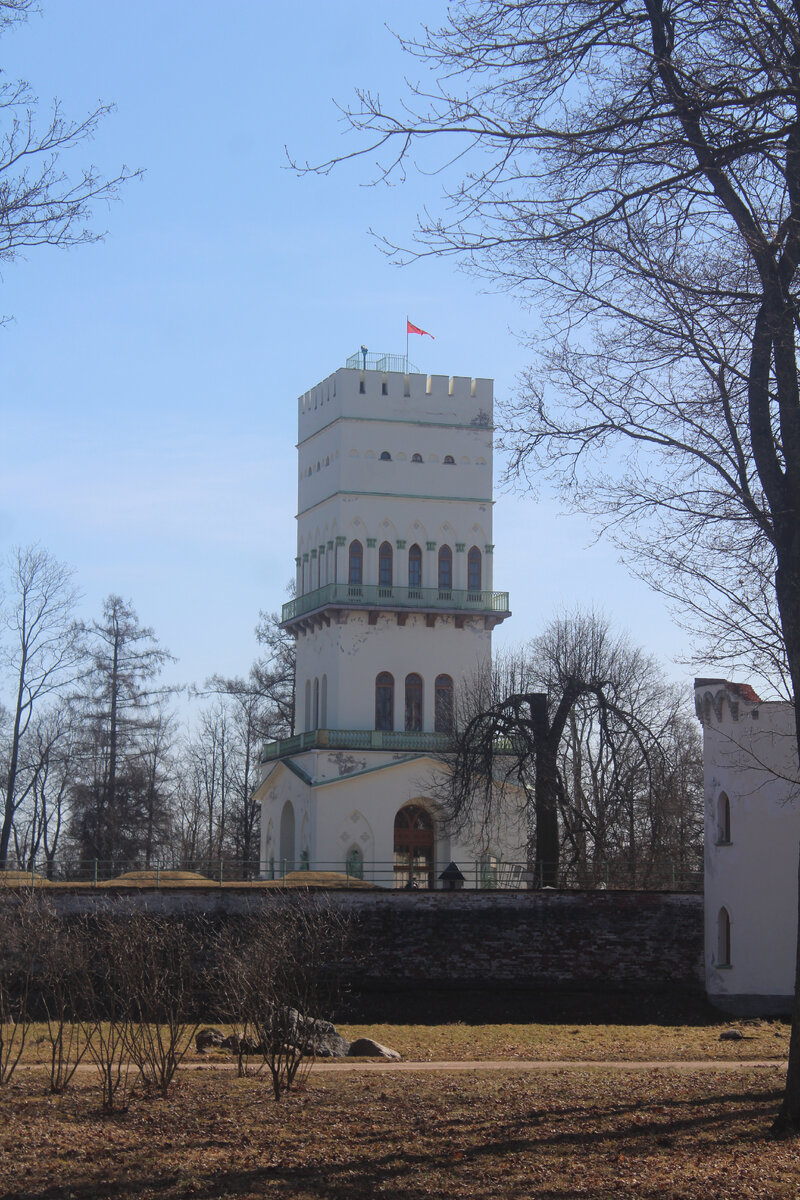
x: 474, y: 569
x: 355, y: 863
x: 384, y: 701
x: 443, y: 698
x: 385, y: 456
x: 489, y: 871
x: 316, y: 705
x: 415, y: 567
x: 413, y: 703
x: 385, y: 565
x: 449, y: 461
x: 723, y: 820
x: 416, y: 458
x: 413, y: 848
x: 723, y: 938
x: 355, y: 574
x: 445, y: 569
x: 308, y: 704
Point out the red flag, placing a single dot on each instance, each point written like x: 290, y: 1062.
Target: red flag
x: 414, y: 329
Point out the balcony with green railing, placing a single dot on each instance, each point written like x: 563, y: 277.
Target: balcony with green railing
x: 357, y: 739
x: 347, y: 595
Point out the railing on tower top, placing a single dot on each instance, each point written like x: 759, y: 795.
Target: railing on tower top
x: 381, y: 361
x: 370, y: 595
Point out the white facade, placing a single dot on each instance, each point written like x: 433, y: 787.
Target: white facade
x: 394, y: 609
x: 752, y: 842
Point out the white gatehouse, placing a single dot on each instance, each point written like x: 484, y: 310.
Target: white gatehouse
x: 752, y: 838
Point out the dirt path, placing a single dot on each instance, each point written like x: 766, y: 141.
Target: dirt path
x: 551, y: 1065
x: 369, y: 1066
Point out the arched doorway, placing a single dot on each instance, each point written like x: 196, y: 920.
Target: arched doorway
x: 287, y: 837
x: 413, y: 847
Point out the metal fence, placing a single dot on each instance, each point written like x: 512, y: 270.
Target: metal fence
x: 421, y: 874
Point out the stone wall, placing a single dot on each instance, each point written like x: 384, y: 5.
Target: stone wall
x: 565, y: 941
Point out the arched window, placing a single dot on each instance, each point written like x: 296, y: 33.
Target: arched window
x: 445, y: 569
x: 413, y: 703
x: 324, y: 703
x: 384, y: 701
x: 474, y: 569
x: 415, y: 567
x: 385, y: 565
x: 723, y: 819
x: 355, y: 576
x: 316, y: 705
x: 413, y: 847
x: 385, y: 456
x: 286, y: 849
x: 449, y: 461
x: 723, y: 938
x: 308, y: 704
x: 416, y: 458
x: 443, y: 698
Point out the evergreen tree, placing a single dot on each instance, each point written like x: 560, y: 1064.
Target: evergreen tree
x: 119, y: 801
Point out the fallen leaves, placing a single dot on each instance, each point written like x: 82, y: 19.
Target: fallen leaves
x: 475, y: 1135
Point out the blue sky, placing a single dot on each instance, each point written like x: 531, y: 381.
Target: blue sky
x: 148, y: 383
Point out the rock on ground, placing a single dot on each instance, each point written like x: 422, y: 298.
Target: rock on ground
x: 364, y: 1047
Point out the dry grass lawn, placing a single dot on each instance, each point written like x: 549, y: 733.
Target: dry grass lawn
x: 597, y: 1043
x: 564, y: 1133
x: 550, y: 1043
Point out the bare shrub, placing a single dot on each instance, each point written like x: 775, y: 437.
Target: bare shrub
x: 65, y: 955
x: 106, y: 1011
x: 159, y: 978
x: 21, y: 922
x: 276, y: 984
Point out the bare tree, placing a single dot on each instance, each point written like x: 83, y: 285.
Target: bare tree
x: 39, y: 203
x: 211, y: 760
x: 272, y: 677
x: 47, y: 770
x: 633, y: 169
x: 41, y: 654
x: 525, y: 729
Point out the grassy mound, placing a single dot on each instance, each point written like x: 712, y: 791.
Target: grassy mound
x: 22, y: 879
x: 152, y: 878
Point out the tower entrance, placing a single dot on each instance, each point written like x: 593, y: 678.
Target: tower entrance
x: 413, y: 847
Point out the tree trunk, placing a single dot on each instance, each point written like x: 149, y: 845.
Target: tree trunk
x: 787, y: 587
x: 546, y: 743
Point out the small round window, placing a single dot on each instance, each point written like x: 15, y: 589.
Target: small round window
x: 449, y: 460
x: 416, y: 458
x: 385, y: 456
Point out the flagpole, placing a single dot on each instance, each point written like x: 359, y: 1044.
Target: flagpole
x: 406, y: 343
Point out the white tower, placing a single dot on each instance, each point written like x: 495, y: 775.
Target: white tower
x: 394, y: 609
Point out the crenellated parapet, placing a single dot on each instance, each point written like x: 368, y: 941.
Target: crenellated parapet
x: 718, y: 701
x: 395, y: 396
